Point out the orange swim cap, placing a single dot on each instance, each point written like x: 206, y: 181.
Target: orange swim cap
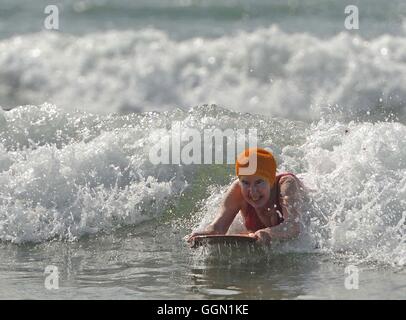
x: 265, y: 166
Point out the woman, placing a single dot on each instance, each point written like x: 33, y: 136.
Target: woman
x: 267, y: 202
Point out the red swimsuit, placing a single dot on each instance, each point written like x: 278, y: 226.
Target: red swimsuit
x: 252, y: 221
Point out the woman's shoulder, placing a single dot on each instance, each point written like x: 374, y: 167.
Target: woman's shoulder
x: 288, y: 183
x: 234, y: 190
x: 235, y: 186
x: 234, y: 194
x: 287, y: 177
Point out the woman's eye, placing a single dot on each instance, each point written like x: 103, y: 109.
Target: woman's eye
x: 260, y: 181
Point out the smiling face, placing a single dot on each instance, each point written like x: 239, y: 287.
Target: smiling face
x: 255, y: 190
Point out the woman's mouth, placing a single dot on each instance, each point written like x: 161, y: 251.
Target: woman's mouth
x: 256, y: 198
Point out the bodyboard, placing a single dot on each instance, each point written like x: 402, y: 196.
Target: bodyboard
x: 229, y: 239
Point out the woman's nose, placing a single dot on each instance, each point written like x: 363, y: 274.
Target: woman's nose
x: 253, y: 190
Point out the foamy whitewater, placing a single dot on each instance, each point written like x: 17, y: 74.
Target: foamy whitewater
x: 266, y: 71
x: 67, y: 175
x: 86, y: 104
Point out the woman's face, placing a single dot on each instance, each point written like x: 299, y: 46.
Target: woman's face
x: 255, y: 190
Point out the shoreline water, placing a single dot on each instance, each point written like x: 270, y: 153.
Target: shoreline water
x: 109, y: 267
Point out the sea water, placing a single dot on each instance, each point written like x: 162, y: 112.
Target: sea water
x: 78, y: 190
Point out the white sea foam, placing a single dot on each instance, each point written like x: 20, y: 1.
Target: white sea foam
x: 357, y: 173
x: 68, y: 175
x: 265, y: 71
x: 77, y: 188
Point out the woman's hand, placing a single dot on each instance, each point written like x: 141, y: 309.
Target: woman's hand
x: 263, y: 236
x: 189, y: 238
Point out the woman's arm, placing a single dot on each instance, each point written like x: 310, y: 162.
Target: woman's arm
x: 230, y: 206
x: 290, y: 197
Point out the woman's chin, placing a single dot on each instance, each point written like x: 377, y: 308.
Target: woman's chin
x: 257, y: 204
